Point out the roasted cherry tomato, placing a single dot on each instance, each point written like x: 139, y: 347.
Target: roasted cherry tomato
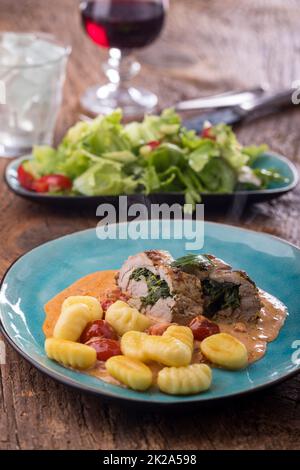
x: 153, y: 144
x: 158, y: 328
x: 202, y: 327
x: 25, y: 178
x: 111, y: 297
x: 207, y: 133
x: 98, y: 328
x: 51, y: 183
x: 105, y: 348
x: 105, y: 304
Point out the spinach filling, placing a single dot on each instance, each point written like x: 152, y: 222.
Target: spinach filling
x: 157, y: 287
x: 190, y: 262
x: 220, y: 295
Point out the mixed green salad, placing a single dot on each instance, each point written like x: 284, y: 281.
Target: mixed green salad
x: 104, y: 157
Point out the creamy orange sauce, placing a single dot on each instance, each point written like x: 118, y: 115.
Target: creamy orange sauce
x: 95, y: 284
x: 255, y: 336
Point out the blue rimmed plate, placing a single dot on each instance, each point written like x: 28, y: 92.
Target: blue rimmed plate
x: 43, y: 272
x: 267, y: 160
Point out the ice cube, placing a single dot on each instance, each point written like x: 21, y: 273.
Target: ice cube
x: 21, y: 49
x: 13, y: 48
x: 42, y: 51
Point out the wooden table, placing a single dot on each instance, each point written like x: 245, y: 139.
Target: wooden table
x: 206, y: 46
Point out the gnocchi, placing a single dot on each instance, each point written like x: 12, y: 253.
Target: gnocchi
x: 182, y: 333
x: 70, y: 354
x: 132, y: 345
x: 130, y: 372
x: 71, y: 322
x: 93, y: 304
x: 187, y: 380
x: 76, y: 312
x: 124, y: 318
x: 225, y: 350
x: 167, y: 350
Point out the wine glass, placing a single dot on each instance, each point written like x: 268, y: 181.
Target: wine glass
x: 121, y: 26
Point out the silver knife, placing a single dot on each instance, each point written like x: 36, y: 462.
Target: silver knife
x: 259, y: 106
x: 224, y: 100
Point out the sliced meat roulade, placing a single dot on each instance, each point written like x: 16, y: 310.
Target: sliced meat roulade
x: 227, y: 293
x: 160, y: 290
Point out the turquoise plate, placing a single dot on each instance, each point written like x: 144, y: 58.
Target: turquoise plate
x: 268, y: 160
x: 43, y: 272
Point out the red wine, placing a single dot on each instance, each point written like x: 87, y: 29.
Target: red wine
x: 124, y: 24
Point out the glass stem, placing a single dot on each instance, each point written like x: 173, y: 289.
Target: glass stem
x: 120, y: 67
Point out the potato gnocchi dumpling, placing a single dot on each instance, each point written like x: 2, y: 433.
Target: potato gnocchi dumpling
x: 187, y: 380
x: 71, y: 322
x: 132, y: 345
x: 182, y: 333
x: 124, y: 318
x: 70, y: 354
x: 225, y: 350
x: 93, y: 304
x: 130, y: 372
x: 167, y: 350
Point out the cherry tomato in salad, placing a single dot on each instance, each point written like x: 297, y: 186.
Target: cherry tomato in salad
x: 98, y: 328
x: 153, y: 144
x: 40, y: 185
x: 105, y: 348
x: 51, y: 183
x: 207, y: 133
x: 202, y: 327
x: 44, y: 184
x: 25, y: 178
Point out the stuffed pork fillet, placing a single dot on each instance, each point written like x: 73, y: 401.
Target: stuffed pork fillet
x: 176, y: 291
x: 227, y: 293
x: 160, y: 290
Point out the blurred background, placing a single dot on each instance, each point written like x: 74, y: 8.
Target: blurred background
x: 206, y: 46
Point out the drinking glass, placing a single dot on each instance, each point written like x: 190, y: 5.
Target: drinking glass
x: 121, y: 26
x: 32, y: 73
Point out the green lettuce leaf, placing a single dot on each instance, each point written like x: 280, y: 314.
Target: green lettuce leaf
x: 104, y: 179
x: 45, y: 161
x: 77, y: 133
x: 166, y: 155
x: 153, y: 128
x: 199, y: 157
x: 218, y: 176
x: 230, y: 149
x: 150, y: 180
x: 74, y: 164
x: 190, y: 139
x: 107, y: 135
